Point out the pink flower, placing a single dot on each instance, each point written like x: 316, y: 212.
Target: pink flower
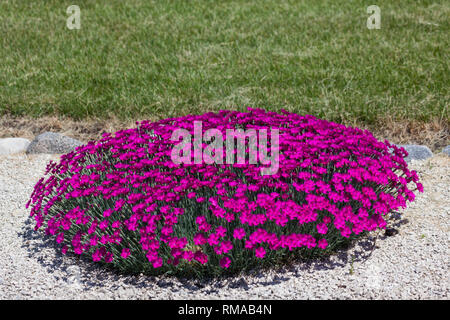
x: 226, y: 246
x: 322, y: 228
x: 166, y: 231
x: 93, y: 241
x: 60, y: 237
x: 260, y: 252
x: 115, y: 224
x: 249, y: 244
x: 103, y: 225
x: 200, y: 239
x: 188, y: 255
x: 125, y: 253
x: 225, y: 262
x: 239, y: 233
x: 104, y: 239
x: 213, y: 239
x: 322, y: 244
x: 191, y: 195
x: 78, y: 249
x: 419, y: 187
x: 200, y: 220
x: 201, y: 257
x: 107, y: 212
x: 97, y: 255
x: 109, y: 257
x: 221, y: 231
x: 157, y: 263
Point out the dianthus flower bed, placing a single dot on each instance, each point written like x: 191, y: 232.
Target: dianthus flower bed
x: 122, y: 201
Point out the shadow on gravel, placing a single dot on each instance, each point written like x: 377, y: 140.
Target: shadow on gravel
x: 46, y: 251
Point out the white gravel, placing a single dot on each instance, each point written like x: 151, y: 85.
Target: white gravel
x: 410, y: 265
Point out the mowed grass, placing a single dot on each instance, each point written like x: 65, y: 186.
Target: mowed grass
x: 152, y: 59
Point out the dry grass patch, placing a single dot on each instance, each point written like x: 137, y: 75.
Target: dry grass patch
x: 434, y: 134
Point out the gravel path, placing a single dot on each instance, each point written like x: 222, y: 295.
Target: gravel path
x: 413, y: 264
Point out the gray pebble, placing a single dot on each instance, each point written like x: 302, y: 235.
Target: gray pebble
x: 446, y: 150
x: 13, y: 145
x: 417, y: 152
x: 52, y: 143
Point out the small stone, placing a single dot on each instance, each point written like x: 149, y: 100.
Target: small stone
x: 417, y: 152
x: 52, y: 143
x: 13, y: 145
x: 446, y: 150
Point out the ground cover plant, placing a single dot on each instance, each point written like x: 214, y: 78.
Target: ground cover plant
x: 123, y: 202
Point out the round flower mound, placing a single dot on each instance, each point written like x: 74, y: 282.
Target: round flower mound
x: 123, y: 202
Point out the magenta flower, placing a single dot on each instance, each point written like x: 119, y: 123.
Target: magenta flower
x: 109, y: 257
x: 322, y: 228
x: 322, y: 243
x: 107, y: 212
x: 221, y: 231
x: 97, y: 255
x: 188, y: 255
x: 125, y: 253
x: 201, y: 257
x: 103, y: 225
x: 260, y: 252
x: 239, y: 233
x: 200, y: 239
x: 93, y: 241
x: 225, y: 262
x: 60, y: 238
x: 157, y: 263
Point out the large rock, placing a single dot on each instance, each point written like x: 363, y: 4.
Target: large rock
x: 54, y: 143
x: 416, y: 152
x: 13, y: 145
x: 446, y: 150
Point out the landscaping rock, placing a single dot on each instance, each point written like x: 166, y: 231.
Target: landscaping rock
x: 13, y: 145
x: 52, y: 143
x: 417, y: 152
x: 446, y: 150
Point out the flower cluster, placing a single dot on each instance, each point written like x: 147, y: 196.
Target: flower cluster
x: 124, y: 202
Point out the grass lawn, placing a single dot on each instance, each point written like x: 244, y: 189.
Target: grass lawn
x: 151, y: 59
